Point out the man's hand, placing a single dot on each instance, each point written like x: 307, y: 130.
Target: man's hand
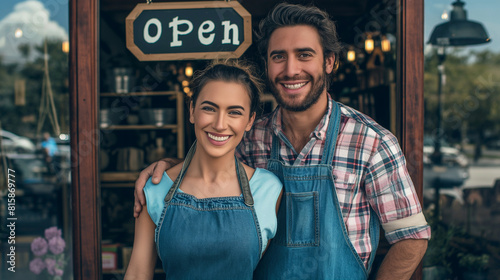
x: 155, y: 170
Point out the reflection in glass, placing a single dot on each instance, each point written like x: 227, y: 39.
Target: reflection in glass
x: 34, y: 146
x: 461, y: 159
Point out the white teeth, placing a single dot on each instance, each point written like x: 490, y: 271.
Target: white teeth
x: 294, y: 86
x: 218, y: 138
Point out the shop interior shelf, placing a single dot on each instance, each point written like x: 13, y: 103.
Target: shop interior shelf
x: 118, y: 185
x: 142, y: 93
x: 134, y: 127
x: 125, y: 176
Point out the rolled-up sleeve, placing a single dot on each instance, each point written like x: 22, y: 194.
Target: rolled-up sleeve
x: 392, y: 195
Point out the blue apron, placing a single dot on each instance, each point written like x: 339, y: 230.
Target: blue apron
x: 311, y: 241
x: 210, y: 238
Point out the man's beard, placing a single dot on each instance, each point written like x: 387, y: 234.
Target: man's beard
x: 311, y: 98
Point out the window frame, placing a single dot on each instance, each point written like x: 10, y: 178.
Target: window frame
x: 84, y: 71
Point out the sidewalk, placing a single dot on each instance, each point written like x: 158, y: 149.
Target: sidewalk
x: 489, y: 157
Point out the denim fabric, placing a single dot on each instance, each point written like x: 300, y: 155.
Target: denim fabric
x: 311, y: 241
x: 211, y: 238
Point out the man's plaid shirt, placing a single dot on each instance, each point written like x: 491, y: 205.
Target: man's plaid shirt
x: 369, y: 170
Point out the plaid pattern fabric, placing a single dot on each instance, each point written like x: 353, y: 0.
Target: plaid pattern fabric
x: 369, y: 170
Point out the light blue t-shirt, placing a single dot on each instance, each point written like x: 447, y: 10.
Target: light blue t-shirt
x: 265, y: 188
x: 50, y: 145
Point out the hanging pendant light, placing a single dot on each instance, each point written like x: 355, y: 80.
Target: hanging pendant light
x: 369, y: 44
x: 459, y: 31
x: 351, y: 55
x: 385, y: 44
x: 188, y: 70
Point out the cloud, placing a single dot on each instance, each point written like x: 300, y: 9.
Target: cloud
x: 33, y: 18
x: 441, y: 7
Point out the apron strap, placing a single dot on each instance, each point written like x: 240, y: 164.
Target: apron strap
x: 244, y: 184
x: 178, y: 180
x: 240, y: 172
x: 332, y: 135
x: 275, y: 148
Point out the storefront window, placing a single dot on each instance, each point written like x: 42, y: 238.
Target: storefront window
x: 462, y: 142
x: 35, y: 179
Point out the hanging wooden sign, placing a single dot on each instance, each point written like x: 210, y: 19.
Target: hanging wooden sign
x: 188, y: 30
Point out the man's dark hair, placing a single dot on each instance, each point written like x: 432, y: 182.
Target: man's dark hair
x: 285, y: 14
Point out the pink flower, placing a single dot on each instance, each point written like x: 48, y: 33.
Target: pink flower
x: 57, y: 245
x: 37, y: 265
x: 52, y: 232
x: 54, y: 242
x: 51, y: 266
x: 58, y: 272
x: 39, y: 246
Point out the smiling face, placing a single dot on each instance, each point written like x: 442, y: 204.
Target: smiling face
x: 221, y: 116
x: 296, y: 67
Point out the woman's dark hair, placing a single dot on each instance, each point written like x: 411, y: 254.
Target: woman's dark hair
x: 229, y: 71
x: 285, y: 14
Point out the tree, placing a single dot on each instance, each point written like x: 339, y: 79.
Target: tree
x: 32, y: 70
x: 471, y: 95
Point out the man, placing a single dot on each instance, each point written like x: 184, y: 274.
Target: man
x: 49, y: 148
x: 343, y: 174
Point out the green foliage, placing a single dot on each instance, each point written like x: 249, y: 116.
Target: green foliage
x: 455, y: 250
x: 31, y: 69
x: 471, y: 94
x: 440, y: 250
x: 471, y: 262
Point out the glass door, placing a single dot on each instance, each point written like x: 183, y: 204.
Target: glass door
x: 35, y: 164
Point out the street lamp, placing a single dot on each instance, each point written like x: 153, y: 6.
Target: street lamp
x: 458, y: 31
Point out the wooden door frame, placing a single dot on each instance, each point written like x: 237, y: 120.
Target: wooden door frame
x: 84, y: 66
x: 410, y: 87
x: 84, y: 137
x: 410, y: 92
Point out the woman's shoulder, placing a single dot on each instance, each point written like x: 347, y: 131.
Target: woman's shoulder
x: 155, y: 195
x: 152, y: 190
x: 167, y: 180
x: 174, y: 171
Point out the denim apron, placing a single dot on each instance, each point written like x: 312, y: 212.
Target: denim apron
x: 210, y: 238
x: 311, y: 241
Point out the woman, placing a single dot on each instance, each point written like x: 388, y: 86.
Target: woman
x: 216, y: 219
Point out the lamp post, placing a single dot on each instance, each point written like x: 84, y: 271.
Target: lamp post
x: 458, y: 31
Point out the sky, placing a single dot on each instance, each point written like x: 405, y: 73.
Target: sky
x: 37, y: 20
x: 58, y: 9
x: 51, y: 18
